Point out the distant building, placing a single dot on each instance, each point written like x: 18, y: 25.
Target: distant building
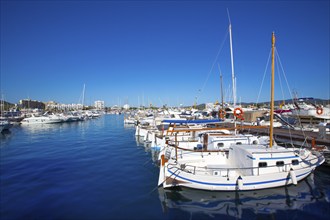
x: 126, y: 106
x: 99, y: 104
x: 51, y: 105
x: 31, y: 104
x: 115, y: 107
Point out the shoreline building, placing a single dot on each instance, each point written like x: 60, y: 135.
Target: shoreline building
x: 99, y: 105
x: 31, y: 104
x: 51, y: 105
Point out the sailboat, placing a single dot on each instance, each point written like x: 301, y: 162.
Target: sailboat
x: 243, y: 166
x: 4, y: 122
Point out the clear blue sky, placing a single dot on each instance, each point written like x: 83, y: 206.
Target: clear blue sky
x: 160, y: 52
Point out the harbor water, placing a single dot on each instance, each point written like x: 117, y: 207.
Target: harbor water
x: 98, y: 169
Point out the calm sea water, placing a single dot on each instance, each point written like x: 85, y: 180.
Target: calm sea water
x: 97, y: 169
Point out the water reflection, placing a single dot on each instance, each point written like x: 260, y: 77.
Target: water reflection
x: 237, y: 204
x: 129, y: 126
x: 154, y: 152
x: 43, y: 128
x: 139, y: 141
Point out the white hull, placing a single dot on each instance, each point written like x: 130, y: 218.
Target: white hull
x: 312, y: 113
x: 40, y: 120
x: 239, y: 169
x: 219, y: 183
x: 4, y: 125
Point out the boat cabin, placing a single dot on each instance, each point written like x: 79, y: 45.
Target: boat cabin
x: 261, y: 159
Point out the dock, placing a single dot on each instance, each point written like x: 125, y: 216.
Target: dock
x: 296, y: 136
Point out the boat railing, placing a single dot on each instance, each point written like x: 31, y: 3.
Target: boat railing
x: 227, y: 171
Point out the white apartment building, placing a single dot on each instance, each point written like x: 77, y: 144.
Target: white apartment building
x: 99, y: 104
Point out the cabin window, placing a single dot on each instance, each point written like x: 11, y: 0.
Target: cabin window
x: 280, y: 163
x: 295, y: 162
x: 238, y: 143
x: 262, y: 164
x: 220, y: 145
x: 255, y: 142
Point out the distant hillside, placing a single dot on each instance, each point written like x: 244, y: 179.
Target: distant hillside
x: 290, y: 101
x: 277, y: 103
x: 7, y: 105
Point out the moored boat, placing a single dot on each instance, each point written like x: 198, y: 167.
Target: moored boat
x: 45, y: 119
x: 243, y: 167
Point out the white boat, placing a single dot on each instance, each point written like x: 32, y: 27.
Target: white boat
x: 4, y: 122
x: 5, y: 125
x: 45, y: 119
x: 129, y: 120
x: 310, y: 111
x: 185, y: 142
x: 71, y: 117
x: 242, y: 167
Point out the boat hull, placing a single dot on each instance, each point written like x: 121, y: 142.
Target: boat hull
x: 217, y: 183
x: 231, y: 179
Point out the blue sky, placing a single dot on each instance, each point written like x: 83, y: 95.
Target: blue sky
x: 161, y: 52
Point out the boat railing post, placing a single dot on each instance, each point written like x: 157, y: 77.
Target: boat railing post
x: 176, y: 147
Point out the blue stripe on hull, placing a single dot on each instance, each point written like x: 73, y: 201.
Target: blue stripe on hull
x: 234, y: 184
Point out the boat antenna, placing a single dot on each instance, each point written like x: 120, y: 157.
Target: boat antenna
x: 272, y: 94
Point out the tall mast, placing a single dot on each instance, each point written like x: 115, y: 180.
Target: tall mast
x: 83, y: 96
x: 232, y: 66
x: 221, y: 88
x: 222, y: 104
x: 272, y: 94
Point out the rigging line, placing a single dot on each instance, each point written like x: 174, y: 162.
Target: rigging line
x: 164, y: 181
x: 292, y: 99
x: 263, y: 78
x: 284, y: 75
x: 215, y: 60
x: 230, y: 93
x: 279, y: 77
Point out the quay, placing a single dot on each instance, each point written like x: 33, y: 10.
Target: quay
x: 296, y: 136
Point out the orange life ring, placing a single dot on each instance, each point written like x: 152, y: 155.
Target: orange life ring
x: 222, y: 114
x: 238, y: 112
x: 319, y: 110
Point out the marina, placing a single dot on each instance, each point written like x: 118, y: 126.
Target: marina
x: 99, y: 169
x: 167, y: 126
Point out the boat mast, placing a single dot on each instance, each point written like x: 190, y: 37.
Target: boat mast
x: 232, y: 73
x: 221, y: 88
x: 272, y: 94
x: 222, y: 104
x: 232, y: 66
x: 83, y: 97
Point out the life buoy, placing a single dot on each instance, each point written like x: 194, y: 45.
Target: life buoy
x: 238, y: 113
x: 222, y: 114
x: 319, y: 110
